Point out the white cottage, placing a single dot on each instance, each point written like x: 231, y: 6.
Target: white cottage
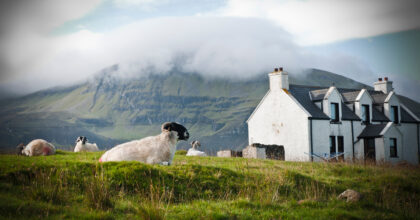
x: 363, y: 124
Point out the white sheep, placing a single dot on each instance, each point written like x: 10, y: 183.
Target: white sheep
x: 37, y: 147
x: 194, y: 152
x: 159, y: 149
x: 82, y: 145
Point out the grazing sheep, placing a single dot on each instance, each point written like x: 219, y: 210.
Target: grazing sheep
x: 194, y: 152
x: 82, y: 145
x: 159, y: 149
x: 19, y: 149
x: 38, y: 147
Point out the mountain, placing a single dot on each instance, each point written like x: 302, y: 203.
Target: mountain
x: 110, y: 109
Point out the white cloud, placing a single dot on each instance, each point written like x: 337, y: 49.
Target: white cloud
x: 325, y: 21
x: 213, y: 46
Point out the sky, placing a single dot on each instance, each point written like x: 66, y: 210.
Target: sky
x: 45, y: 43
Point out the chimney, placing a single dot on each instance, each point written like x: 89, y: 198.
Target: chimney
x: 279, y: 79
x: 385, y: 86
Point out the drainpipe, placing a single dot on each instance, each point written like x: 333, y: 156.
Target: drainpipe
x: 352, y: 139
x: 310, y: 133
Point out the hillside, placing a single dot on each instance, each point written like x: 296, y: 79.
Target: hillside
x: 109, y: 109
x: 75, y: 186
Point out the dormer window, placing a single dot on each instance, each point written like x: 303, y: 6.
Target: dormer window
x: 334, y: 112
x: 393, y: 113
x: 365, y: 114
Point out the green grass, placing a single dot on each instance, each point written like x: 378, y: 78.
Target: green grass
x: 76, y: 186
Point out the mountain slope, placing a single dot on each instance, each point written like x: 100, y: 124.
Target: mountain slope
x: 109, y: 109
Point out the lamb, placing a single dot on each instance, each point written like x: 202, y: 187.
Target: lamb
x: 37, y: 147
x: 82, y: 145
x: 159, y: 149
x: 194, y: 152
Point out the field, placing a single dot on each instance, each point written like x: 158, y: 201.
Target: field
x: 75, y: 186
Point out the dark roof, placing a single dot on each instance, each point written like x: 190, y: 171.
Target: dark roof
x: 318, y: 94
x: 410, y: 104
x: 371, y: 131
x: 378, y: 115
x: 406, y: 117
x: 350, y: 96
x: 378, y: 97
x: 301, y: 94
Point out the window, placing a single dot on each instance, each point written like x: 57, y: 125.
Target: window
x: 332, y: 145
x: 334, y: 112
x: 393, y: 147
x: 393, y: 113
x: 365, y: 114
x: 340, y: 142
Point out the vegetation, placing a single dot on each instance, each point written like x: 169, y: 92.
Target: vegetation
x: 76, y: 186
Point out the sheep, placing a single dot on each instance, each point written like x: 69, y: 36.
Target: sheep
x: 38, y: 147
x: 194, y: 152
x: 81, y: 145
x: 159, y: 149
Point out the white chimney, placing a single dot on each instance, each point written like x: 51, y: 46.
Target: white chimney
x: 279, y: 79
x: 385, y: 86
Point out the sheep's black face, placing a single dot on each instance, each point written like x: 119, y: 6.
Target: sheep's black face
x: 19, y: 149
x: 82, y: 139
x: 181, y: 130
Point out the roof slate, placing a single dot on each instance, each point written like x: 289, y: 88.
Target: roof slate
x: 301, y: 94
x: 371, y: 131
x: 406, y: 117
x: 378, y: 115
x: 350, y: 96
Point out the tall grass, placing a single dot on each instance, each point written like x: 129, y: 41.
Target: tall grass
x: 228, y: 186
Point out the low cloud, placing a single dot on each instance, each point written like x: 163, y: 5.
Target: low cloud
x: 319, y: 22
x: 212, y: 46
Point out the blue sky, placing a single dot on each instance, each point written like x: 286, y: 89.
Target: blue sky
x: 46, y: 43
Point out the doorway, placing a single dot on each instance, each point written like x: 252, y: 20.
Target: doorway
x: 370, y: 153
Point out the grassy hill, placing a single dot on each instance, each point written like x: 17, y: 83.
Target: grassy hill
x: 109, y: 109
x: 75, y: 186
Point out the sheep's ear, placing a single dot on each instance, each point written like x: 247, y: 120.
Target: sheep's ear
x: 167, y: 126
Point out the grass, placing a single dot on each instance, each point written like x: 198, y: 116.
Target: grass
x: 76, y: 186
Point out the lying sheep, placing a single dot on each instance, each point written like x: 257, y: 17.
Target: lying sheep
x: 159, y: 149
x: 82, y: 145
x: 194, y: 152
x: 37, y: 147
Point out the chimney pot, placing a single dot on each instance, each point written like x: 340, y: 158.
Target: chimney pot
x: 380, y: 79
x: 386, y: 78
x: 276, y: 70
x: 281, y: 68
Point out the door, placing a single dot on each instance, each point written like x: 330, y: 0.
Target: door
x: 340, y: 140
x: 370, y: 153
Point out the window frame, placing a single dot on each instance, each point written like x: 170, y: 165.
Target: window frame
x: 336, y: 112
x: 393, y: 144
x: 333, y: 145
x: 365, y: 110
x: 394, y: 114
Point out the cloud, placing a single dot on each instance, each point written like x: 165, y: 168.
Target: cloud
x: 25, y: 27
x: 319, y: 22
x: 212, y: 46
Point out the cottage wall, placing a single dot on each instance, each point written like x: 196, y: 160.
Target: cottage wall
x: 281, y: 120
x: 383, y: 145
x: 323, y: 129
x: 410, y: 151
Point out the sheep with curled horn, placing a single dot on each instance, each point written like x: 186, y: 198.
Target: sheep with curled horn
x: 37, y: 147
x: 194, y: 152
x: 159, y: 149
x: 83, y: 145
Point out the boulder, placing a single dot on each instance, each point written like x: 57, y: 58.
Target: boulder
x: 350, y: 195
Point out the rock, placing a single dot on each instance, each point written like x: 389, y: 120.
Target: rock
x: 350, y: 195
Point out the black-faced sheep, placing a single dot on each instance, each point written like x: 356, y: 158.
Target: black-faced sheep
x: 38, y: 147
x: 194, y: 152
x: 82, y: 145
x: 159, y: 149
